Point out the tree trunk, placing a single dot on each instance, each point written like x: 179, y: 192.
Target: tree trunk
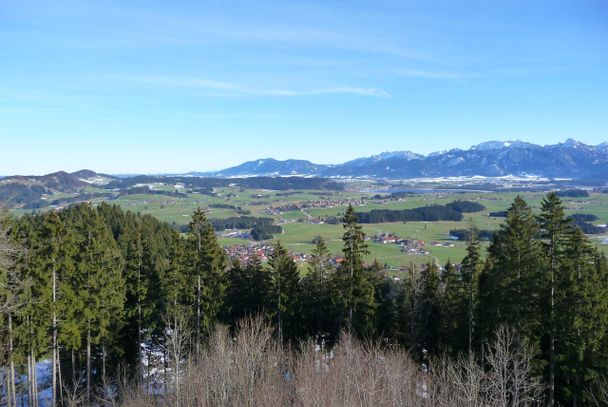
x: 89, y: 364
x: 60, y: 381
x: 552, y: 362
x: 140, y: 359
x: 30, y: 393
x: 73, y: 368
x: 165, y: 378
x: 139, y: 351
x: 198, y: 315
x: 103, y: 362
x: 11, y: 390
x: 350, y: 299
x: 54, y: 350
x: 35, y: 382
x: 177, y: 395
x: 470, y: 313
x: 5, y: 380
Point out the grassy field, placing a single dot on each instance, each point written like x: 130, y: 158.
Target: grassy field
x: 298, y: 235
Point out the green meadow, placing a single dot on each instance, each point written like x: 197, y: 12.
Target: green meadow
x: 298, y: 235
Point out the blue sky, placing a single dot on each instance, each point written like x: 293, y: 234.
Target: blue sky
x: 170, y: 86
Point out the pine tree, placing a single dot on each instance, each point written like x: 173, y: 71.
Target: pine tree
x: 509, y: 286
x: 100, y: 285
x: 408, y: 304
x: 208, y: 271
x: 57, y: 254
x: 175, y: 281
x: 387, y: 294
x: 286, y: 292
x: 454, y: 311
x: 33, y: 322
x: 141, y: 280
x: 317, y: 303
x: 250, y: 290
x: 236, y: 295
x: 554, y: 228
x: 581, y: 320
x: 470, y: 270
x: 259, y: 281
x: 355, y: 290
x: 13, y: 285
x: 427, y: 311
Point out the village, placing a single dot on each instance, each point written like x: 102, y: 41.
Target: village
x: 408, y: 245
x: 263, y: 252
x: 322, y: 204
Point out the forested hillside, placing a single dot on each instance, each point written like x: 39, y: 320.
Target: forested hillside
x: 110, y: 296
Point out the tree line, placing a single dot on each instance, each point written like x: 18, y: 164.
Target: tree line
x: 452, y: 211
x: 99, y: 290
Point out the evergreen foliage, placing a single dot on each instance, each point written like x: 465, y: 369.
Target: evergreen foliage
x: 91, y: 287
x: 286, y: 293
x: 355, y: 292
x: 454, y: 305
x: 318, y: 306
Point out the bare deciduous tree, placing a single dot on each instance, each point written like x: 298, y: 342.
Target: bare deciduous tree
x: 177, y: 342
x: 12, y: 284
x: 253, y: 369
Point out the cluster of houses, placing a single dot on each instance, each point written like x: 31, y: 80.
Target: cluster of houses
x: 321, y: 203
x: 246, y: 253
x: 414, y: 246
x: 387, y: 238
x: 407, y: 245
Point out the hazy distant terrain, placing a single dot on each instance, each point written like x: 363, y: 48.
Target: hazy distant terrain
x: 297, y: 209
x: 570, y: 159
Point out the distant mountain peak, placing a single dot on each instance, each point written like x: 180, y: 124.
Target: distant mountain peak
x: 497, y: 145
x: 572, y: 143
x: 408, y: 155
x: 84, y: 174
x: 272, y: 167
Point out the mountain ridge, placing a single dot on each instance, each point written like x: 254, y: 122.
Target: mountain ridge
x: 569, y: 159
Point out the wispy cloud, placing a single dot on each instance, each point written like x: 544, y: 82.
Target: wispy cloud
x: 457, y: 76
x: 237, y: 89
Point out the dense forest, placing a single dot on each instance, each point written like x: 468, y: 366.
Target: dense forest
x: 113, y: 297
x: 431, y: 213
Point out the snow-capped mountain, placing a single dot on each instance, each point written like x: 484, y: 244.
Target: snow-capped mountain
x: 570, y: 159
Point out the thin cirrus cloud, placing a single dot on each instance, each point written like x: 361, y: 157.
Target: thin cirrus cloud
x: 237, y: 89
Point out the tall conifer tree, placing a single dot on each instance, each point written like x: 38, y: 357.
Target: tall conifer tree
x: 470, y: 270
x: 100, y: 285
x: 581, y: 320
x: 317, y: 302
x: 208, y: 271
x: 356, y: 292
x: 286, y: 292
x: 554, y: 228
x: 509, y: 286
x: 454, y: 315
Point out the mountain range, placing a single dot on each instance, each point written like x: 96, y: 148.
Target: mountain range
x: 570, y: 159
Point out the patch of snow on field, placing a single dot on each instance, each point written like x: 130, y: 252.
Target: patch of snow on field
x: 44, y: 373
x: 96, y: 180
